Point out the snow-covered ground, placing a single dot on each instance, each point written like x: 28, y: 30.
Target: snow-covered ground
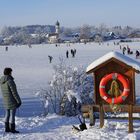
x: 55, y: 127
x: 32, y: 71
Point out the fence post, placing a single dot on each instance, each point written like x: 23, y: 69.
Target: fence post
x: 101, y: 115
x: 130, y: 112
x: 91, y: 116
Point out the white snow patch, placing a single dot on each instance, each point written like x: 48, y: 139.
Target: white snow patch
x: 71, y: 94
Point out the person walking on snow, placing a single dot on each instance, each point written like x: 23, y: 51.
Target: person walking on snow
x: 137, y: 54
x: 11, y: 99
x: 6, y: 48
x: 67, y: 53
x: 50, y: 58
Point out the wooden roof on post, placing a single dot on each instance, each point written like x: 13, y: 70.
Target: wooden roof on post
x: 117, y: 57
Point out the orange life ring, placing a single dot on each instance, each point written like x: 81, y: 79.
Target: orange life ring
x: 107, y: 97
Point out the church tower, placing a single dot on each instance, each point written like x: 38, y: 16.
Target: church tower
x: 57, y: 27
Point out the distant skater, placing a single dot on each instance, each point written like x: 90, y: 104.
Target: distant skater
x: 72, y: 52
x: 137, y: 54
x: 124, y: 49
x: 67, y: 54
x: 50, y: 58
x: 6, y: 48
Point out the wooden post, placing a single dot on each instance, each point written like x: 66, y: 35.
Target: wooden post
x: 130, y: 129
x: 91, y: 116
x: 101, y: 116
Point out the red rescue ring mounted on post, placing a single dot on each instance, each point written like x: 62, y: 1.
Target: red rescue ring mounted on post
x: 108, y: 98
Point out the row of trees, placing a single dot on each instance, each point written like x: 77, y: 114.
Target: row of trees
x: 86, y: 31
x: 31, y: 29
x: 23, y: 35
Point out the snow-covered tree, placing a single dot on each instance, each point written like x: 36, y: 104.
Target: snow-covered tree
x: 67, y: 31
x: 69, y: 88
x: 85, y: 32
x: 102, y: 29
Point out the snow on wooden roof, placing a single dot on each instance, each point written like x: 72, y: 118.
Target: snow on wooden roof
x: 125, y: 59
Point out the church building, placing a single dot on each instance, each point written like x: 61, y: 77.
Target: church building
x: 54, y: 37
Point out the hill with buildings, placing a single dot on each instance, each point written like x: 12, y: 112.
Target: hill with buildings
x: 37, y: 34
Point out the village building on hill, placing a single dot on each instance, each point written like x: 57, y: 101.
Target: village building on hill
x: 58, y: 37
x: 54, y: 37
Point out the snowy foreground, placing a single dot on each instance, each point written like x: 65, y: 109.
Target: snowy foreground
x: 32, y: 71
x: 60, y: 128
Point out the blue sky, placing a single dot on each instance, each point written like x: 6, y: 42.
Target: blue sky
x: 70, y: 13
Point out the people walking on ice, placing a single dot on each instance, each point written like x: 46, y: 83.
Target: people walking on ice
x: 73, y: 52
x: 128, y: 50
x: 137, y: 54
x: 50, y: 58
x: 124, y: 49
x: 67, y: 54
x: 6, y: 48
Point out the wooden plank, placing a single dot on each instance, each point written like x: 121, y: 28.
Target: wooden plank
x: 124, y: 108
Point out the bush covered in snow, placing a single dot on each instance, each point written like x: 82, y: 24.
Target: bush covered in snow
x: 69, y: 88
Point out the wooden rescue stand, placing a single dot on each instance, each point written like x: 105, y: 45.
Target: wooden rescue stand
x: 113, y: 62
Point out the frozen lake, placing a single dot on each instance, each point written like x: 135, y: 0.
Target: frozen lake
x: 32, y: 70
